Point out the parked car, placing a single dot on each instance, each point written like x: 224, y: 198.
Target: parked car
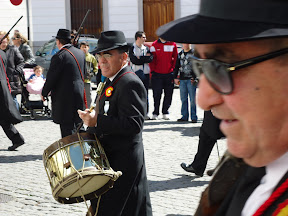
x: 44, y: 54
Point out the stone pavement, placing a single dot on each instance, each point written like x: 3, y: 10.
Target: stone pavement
x: 25, y: 189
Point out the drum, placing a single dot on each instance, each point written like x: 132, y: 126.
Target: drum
x: 78, y: 169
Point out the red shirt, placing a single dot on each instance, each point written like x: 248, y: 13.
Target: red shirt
x: 164, y: 56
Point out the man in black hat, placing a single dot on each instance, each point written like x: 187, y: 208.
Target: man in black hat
x: 241, y: 55
x: 65, y: 81
x: 118, y: 124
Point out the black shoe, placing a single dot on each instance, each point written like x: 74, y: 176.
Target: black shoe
x: 210, y: 172
x: 14, y: 146
x: 189, y: 168
x: 194, y: 121
x: 181, y: 120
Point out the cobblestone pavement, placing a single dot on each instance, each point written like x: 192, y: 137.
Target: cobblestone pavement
x: 25, y: 189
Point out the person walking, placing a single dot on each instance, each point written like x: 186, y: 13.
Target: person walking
x: 15, y: 64
x: 242, y: 68
x: 118, y: 123
x: 140, y: 57
x: 208, y: 136
x: 9, y: 115
x: 65, y: 82
x: 186, y: 79
x: 164, y: 60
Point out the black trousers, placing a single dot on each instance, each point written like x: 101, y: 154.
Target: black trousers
x: 11, y: 132
x: 70, y: 128
x: 205, y: 146
x: 159, y: 83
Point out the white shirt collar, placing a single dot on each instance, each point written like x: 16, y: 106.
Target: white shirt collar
x: 65, y: 46
x: 112, y: 78
x: 274, y: 173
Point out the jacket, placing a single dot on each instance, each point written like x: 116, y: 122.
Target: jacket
x: 119, y: 129
x: 183, y: 66
x: 27, y: 54
x: 66, y: 85
x: 15, y: 64
x: 8, y: 110
x: 139, y: 59
x: 164, y: 56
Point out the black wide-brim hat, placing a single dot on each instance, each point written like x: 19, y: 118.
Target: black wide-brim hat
x: 110, y: 40
x: 221, y: 21
x: 63, y: 34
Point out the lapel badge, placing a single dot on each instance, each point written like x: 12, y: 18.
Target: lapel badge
x: 109, y: 91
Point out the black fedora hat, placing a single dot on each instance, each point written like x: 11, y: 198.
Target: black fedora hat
x: 221, y: 21
x: 110, y: 40
x: 63, y: 34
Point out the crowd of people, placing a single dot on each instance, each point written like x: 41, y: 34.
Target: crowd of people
x: 240, y: 72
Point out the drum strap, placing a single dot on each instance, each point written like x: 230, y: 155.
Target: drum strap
x: 85, y: 99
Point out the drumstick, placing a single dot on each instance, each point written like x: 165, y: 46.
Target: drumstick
x: 99, y: 90
x: 98, y: 93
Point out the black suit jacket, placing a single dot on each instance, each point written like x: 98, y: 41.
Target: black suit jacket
x: 229, y: 208
x: 120, y: 133
x: 65, y: 83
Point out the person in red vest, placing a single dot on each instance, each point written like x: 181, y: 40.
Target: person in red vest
x: 164, y: 60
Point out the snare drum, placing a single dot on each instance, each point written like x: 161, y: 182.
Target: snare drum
x: 78, y: 169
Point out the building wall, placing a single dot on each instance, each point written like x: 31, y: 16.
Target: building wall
x: 121, y: 15
x: 9, y: 14
x: 46, y: 18
x: 189, y: 7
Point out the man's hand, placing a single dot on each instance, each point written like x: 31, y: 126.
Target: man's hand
x: 89, y: 118
x: 177, y: 81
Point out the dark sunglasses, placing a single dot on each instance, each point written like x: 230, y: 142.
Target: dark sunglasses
x: 218, y: 73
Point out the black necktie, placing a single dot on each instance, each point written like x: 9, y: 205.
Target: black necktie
x: 247, y: 184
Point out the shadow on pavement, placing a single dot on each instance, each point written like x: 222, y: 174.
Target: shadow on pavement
x: 183, y: 182
x: 19, y: 158
x: 186, y: 131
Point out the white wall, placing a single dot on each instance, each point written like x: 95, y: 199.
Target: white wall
x: 9, y: 14
x: 46, y: 18
x: 122, y: 15
x: 189, y: 7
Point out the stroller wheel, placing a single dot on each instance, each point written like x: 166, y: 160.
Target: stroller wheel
x: 32, y: 115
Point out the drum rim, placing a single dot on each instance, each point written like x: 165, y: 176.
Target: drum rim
x: 53, y: 148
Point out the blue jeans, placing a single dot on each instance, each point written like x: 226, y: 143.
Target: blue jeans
x: 186, y: 88
x: 15, y: 101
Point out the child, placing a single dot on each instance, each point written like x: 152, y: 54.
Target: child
x: 36, y: 81
x: 38, y: 70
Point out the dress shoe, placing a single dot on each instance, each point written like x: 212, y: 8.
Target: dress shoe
x: 14, y: 146
x: 181, y: 120
x: 194, y: 121
x: 189, y: 168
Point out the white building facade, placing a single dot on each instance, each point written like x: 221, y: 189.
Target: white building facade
x: 42, y: 18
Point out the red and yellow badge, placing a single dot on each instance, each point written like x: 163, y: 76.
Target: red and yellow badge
x: 109, y: 91
x: 282, y: 209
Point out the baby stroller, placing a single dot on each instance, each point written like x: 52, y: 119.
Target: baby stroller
x: 31, y: 96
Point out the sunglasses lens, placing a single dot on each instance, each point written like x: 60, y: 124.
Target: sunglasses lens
x: 218, y: 76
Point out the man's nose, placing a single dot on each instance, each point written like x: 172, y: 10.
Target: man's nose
x: 207, y: 97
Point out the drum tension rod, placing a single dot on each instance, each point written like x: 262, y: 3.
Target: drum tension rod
x: 87, y: 157
x: 67, y: 165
